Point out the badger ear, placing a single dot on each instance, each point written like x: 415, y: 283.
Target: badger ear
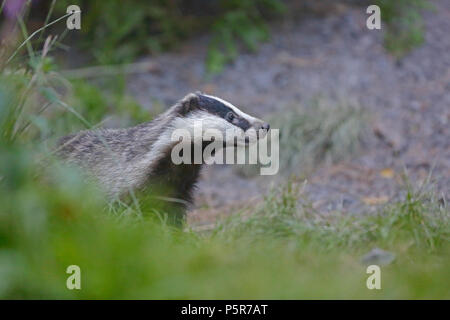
x: 187, y: 104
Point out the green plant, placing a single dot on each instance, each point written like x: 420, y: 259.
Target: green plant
x: 95, y: 100
x: 27, y: 97
x: 120, y: 31
x: 405, y: 24
x: 244, y: 21
x: 117, y: 32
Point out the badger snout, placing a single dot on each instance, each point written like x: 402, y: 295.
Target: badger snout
x: 257, y: 130
x: 261, y: 129
x: 263, y: 126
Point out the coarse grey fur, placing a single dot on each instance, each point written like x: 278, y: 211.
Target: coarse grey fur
x: 138, y: 158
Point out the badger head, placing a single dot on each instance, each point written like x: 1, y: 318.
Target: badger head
x: 213, y: 114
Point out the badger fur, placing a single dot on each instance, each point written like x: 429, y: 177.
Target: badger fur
x: 138, y: 159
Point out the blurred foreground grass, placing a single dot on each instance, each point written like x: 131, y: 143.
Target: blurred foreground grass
x: 49, y: 219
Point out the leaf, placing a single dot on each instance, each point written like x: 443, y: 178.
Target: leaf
x: 372, y: 201
x: 215, y: 60
x: 387, y: 173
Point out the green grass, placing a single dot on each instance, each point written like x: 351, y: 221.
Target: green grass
x: 405, y: 27
x: 418, y: 221
x: 282, y: 250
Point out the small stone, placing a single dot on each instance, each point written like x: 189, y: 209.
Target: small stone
x: 378, y: 257
x: 390, y: 133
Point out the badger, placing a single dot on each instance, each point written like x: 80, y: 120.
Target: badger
x: 138, y: 159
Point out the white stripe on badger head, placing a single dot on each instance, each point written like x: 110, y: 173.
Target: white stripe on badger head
x: 248, y: 117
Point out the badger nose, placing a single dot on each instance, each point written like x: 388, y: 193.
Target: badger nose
x: 262, y: 126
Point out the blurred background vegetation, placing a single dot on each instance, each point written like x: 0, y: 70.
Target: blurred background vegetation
x: 115, y: 34
x: 50, y: 218
x: 112, y: 33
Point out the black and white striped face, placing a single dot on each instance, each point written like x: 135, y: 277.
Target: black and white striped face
x: 217, y: 114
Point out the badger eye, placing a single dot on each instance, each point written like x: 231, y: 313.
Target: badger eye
x: 229, y: 116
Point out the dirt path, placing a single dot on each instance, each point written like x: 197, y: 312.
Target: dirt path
x: 330, y: 56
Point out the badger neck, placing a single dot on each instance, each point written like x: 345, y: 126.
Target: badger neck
x: 176, y: 181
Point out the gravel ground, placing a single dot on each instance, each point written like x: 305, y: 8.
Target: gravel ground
x: 330, y: 56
